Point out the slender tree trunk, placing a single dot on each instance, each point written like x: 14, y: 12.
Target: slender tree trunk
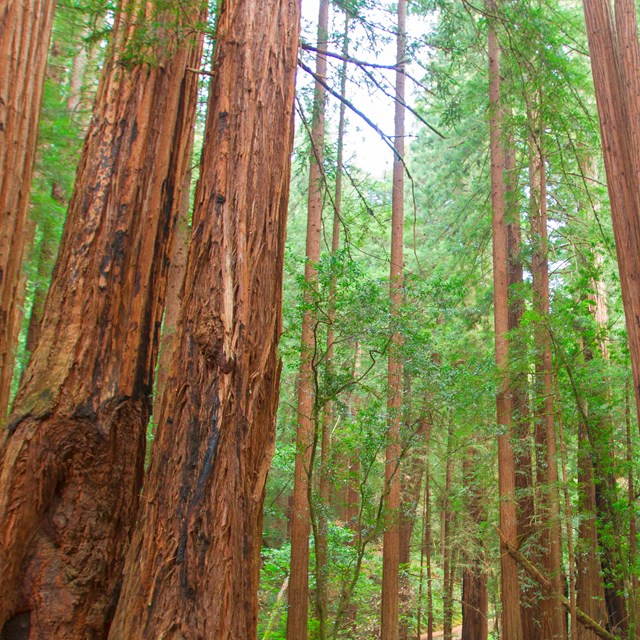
x: 552, y: 625
x: 411, y: 486
x: 193, y: 566
x: 72, y: 455
x: 511, y: 619
x: 446, y: 546
x: 525, y: 507
x: 589, y: 589
x: 425, y: 551
x: 390, y: 614
x: 634, y: 595
x: 344, y: 493
x: 307, y: 400
x: 322, y: 577
x: 568, y: 510
x: 475, y: 597
x: 25, y: 31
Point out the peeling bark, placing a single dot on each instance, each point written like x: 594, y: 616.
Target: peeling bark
x: 71, y: 458
x: 193, y: 566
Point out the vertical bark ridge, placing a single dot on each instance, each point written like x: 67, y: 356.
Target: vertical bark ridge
x: 510, y: 587
x: 25, y: 31
x: 193, y: 566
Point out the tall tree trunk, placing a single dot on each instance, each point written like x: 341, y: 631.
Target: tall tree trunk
x: 307, y: 401
x: 615, y: 63
x: 589, y: 589
x: 475, y: 597
x: 425, y: 552
x: 634, y: 592
x: 447, y: 547
x: 568, y: 513
x: 193, y: 566
x: 390, y: 609
x: 600, y: 434
x: 343, y: 493
x: 25, y: 31
x: 411, y: 486
x: 525, y: 507
x: 510, y: 588
x: 71, y: 459
x: 552, y: 625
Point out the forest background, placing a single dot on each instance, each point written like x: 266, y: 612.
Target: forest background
x: 573, y: 428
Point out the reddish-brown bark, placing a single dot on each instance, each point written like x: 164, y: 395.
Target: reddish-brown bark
x: 510, y: 588
x: 548, y: 534
x: 193, y: 566
x: 411, y: 486
x: 308, y: 410
x: 390, y: 610
x: 25, y: 31
x: 589, y: 589
x: 447, y: 548
x: 475, y: 597
x: 615, y: 63
x: 71, y: 458
x: 525, y: 508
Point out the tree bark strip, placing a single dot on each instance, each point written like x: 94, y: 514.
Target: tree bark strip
x: 552, y: 625
x: 510, y: 588
x: 308, y: 410
x: 475, y: 597
x: 390, y: 609
x: 193, y: 566
x: 25, y: 31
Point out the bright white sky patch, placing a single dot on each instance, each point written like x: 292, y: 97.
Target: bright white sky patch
x: 363, y: 146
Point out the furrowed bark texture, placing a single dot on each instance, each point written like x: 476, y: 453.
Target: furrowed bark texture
x: 193, y: 566
x: 510, y: 588
x: 616, y: 75
x: 71, y: 458
x: 308, y: 409
x: 615, y: 63
x: 390, y: 610
x: 25, y: 31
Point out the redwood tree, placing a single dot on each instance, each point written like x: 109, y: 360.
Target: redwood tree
x: 510, y: 588
x: 193, y: 565
x: 25, y: 31
x: 308, y: 409
x: 391, y: 543
x: 71, y: 458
